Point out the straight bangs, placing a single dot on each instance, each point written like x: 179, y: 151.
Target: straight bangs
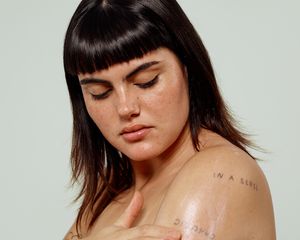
x: 104, y: 36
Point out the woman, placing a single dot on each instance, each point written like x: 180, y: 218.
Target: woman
x: 154, y: 146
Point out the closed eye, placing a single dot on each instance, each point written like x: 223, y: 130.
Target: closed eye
x: 102, y: 95
x: 148, y: 84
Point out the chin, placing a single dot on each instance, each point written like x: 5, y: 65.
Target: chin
x: 141, y: 156
x: 142, y: 153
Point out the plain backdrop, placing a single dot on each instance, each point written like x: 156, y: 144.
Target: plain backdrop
x: 255, y: 48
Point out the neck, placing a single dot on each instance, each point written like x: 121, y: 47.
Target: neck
x: 167, y: 164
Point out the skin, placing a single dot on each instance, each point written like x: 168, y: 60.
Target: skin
x: 128, y: 104
x: 216, y: 193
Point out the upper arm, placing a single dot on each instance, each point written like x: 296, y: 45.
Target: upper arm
x: 219, y: 195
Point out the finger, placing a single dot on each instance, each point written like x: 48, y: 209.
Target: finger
x: 154, y: 231
x: 131, y: 212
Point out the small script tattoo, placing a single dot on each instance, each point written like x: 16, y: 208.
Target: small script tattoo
x: 74, y: 236
x: 241, y: 180
x: 194, y: 228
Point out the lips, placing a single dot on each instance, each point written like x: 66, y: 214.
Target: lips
x: 135, y: 133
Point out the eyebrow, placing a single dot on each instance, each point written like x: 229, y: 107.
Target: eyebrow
x: 140, y: 68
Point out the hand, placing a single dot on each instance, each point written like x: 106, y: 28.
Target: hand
x: 122, y: 229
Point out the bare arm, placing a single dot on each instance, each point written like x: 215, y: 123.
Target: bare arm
x: 221, y: 194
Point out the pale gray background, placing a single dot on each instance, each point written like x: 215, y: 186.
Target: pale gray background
x: 255, y: 48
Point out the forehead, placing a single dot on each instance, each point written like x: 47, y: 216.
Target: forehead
x: 162, y: 55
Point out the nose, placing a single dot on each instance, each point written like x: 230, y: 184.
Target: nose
x: 128, y: 106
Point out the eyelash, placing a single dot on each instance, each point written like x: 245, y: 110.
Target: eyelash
x: 148, y: 84
x: 141, y: 85
x: 102, y: 95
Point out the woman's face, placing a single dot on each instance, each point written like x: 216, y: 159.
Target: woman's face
x: 141, y: 107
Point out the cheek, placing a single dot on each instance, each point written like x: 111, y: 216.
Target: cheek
x: 171, y: 100
x: 99, y: 114
x: 168, y: 107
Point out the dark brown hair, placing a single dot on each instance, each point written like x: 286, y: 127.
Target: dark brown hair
x: 105, y: 32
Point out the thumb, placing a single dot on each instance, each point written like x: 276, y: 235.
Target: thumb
x: 131, y: 212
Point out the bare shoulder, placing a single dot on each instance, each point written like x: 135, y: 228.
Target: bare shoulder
x: 224, y: 160
x: 220, y: 163
x: 220, y: 193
